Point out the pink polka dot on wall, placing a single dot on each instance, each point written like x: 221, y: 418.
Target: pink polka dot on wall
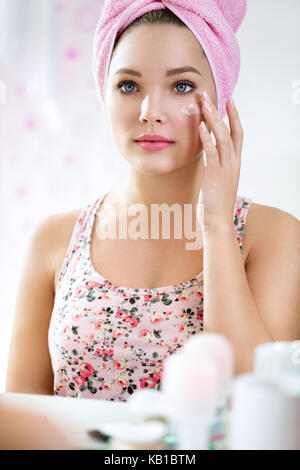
x: 69, y: 160
x: 59, y: 5
x: 71, y: 53
x: 14, y: 159
x: 20, y: 90
x: 21, y: 191
x: 30, y: 123
x: 86, y: 18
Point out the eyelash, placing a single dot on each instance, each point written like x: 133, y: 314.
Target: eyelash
x: 176, y: 84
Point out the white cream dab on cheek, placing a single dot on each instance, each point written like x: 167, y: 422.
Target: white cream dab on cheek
x: 191, y: 109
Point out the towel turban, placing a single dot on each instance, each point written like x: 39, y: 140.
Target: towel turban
x: 213, y: 22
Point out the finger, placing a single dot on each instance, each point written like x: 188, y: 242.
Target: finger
x: 236, y: 130
x: 219, y: 128
x: 212, y: 156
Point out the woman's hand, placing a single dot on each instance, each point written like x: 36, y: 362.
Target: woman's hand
x: 22, y: 430
x: 221, y: 175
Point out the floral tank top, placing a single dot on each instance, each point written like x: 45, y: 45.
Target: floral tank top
x: 106, y: 341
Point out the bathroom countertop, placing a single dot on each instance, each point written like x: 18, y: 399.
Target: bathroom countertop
x: 73, y: 416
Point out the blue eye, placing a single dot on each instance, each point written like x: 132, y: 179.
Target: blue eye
x: 120, y: 85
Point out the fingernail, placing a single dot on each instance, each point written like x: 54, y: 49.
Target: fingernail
x: 205, y: 94
x: 203, y: 126
x: 232, y: 102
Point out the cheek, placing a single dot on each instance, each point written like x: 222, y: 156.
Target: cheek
x: 189, y: 128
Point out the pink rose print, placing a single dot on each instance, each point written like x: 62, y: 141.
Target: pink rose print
x: 106, y: 385
x: 169, y: 314
x: 148, y: 382
x: 177, y: 340
x: 102, y: 313
x: 76, y: 317
x: 99, y: 325
x: 182, y: 328
x: 82, y: 290
x: 149, y: 297
x: 93, y: 284
x: 183, y: 296
x: 79, y: 380
x: 66, y: 331
x: 157, y: 371
x: 121, y: 314
x: 132, y: 322
x: 120, y: 364
x: 146, y: 334
x: 200, y: 314
x: 122, y: 381
x: 102, y: 366
x: 155, y: 318
x: 104, y: 352
x: 183, y: 316
x: 86, y: 370
x: 199, y: 292
x: 118, y: 332
x: 106, y: 296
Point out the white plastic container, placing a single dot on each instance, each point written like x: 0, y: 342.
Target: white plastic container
x: 276, y: 358
x: 265, y: 413
x: 195, y: 383
x: 136, y: 436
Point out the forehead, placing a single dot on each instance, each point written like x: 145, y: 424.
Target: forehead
x: 168, y: 43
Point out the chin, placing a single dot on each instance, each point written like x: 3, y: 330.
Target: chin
x: 158, y: 168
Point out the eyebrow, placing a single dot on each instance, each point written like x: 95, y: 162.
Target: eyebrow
x: 168, y: 73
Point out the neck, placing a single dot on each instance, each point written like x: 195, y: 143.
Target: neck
x: 181, y: 187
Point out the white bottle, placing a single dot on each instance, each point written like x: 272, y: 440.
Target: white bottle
x: 192, y: 383
x: 277, y: 358
x: 265, y: 413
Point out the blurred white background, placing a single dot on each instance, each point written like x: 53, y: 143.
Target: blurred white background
x: 57, y: 153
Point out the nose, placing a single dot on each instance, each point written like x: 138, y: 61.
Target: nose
x: 151, y: 112
x: 150, y: 117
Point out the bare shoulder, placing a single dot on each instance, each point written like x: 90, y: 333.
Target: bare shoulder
x: 264, y: 222
x: 62, y: 224
x: 58, y: 229
x: 259, y: 215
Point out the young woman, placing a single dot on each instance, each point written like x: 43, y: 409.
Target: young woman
x: 96, y: 317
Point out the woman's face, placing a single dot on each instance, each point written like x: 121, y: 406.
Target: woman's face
x: 152, y: 103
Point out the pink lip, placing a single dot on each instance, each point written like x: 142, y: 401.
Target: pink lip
x: 153, y: 138
x: 146, y: 145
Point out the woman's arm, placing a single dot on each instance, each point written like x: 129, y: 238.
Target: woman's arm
x: 259, y: 304
x: 29, y: 368
x: 20, y: 430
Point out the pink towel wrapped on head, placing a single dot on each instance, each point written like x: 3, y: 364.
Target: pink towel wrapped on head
x: 213, y: 22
